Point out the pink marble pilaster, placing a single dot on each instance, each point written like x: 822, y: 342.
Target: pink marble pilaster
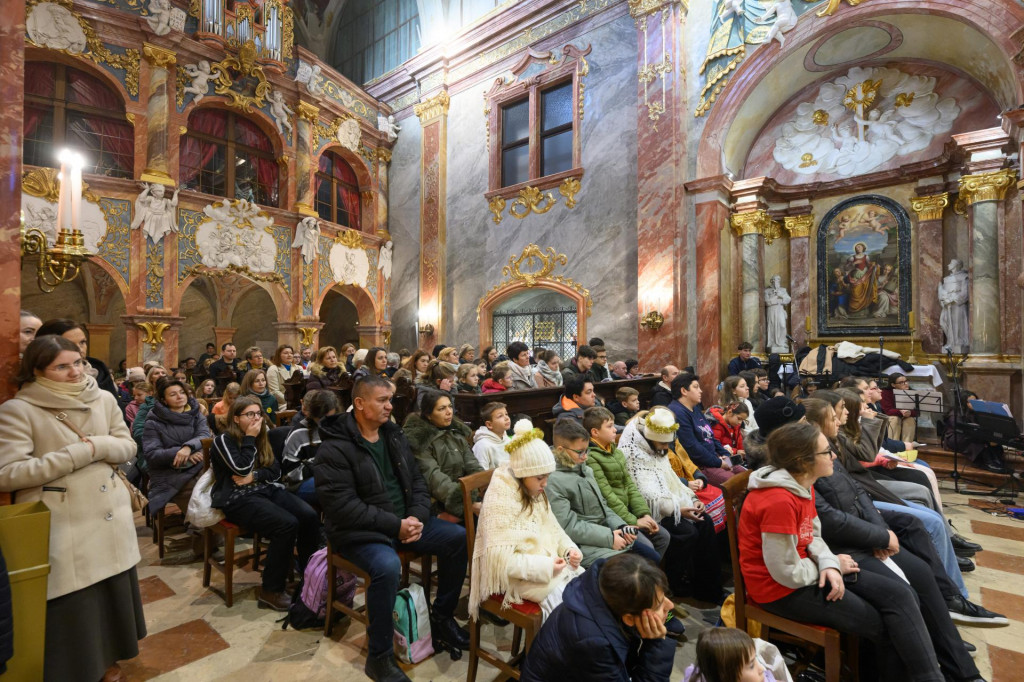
x: 799, y: 288
x: 1009, y: 268
x: 929, y: 275
x: 12, y: 88
x: 433, y: 115
x: 712, y: 219
x: 661, y: 153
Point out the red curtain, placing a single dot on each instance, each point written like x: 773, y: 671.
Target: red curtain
x: 348, y: 190
x: 195, y: 154
x: 250, y: 135
x: 118, y: 138
x: 33, y: 115
x: 40, y: 79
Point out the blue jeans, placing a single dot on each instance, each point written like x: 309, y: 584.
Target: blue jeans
x: 446, y: 541
x: 307, y: 492
x: 936, y: 527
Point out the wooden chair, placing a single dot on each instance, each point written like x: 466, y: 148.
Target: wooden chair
x: 284, y: 417
x: 404, y: 400
x: 294, y: 389
x: 525, y: 618
x: 734, y: 490
x: 336, y: 561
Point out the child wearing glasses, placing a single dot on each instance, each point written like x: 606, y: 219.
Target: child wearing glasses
x: 247, y: 491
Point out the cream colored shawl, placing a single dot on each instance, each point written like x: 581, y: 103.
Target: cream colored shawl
x: 654, y: 477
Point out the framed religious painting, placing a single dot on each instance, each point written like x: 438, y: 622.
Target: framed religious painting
x: 864, y: 268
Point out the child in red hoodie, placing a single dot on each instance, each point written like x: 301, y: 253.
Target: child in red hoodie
x: 727, y: 425
x: 500, y: 379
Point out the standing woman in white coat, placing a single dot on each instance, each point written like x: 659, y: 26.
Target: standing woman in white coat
x: 93, y: 610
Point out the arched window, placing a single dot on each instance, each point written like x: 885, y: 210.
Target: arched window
x: 66, y: 107
x: 227, y: 155
x: 337, y: 191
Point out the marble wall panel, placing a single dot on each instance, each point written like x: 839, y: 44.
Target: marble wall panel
x: 930, y: 270
x: 597, y: 236
x: 799, y: 288
x: 404, y: 225
x: 1010, y: 269
x: 12, y: 84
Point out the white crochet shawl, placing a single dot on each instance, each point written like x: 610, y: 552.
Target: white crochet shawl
x: 654, y: 477
x: 504, y: 529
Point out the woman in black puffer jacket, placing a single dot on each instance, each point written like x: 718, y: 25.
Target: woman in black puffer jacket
x: 172, y: 445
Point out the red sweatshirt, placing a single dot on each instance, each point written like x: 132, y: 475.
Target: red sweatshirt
x: 725, y: 434
x: 492, y: 386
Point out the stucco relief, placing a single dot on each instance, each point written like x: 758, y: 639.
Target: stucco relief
x: 237, y: 233
x: 53, y: 26
x: 42, y: 214
x: 349, y: 134
x: 350, y: 265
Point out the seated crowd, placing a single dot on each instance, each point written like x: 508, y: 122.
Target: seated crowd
x: 601, y: 528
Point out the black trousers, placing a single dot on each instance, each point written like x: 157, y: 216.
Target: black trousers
x: 286, y: 521
x: 693, y: 551
x: 913, y: 536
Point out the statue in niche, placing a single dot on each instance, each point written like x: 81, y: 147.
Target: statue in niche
x: 280, y: 112
x: 307, y: 238
x: 159, y: 19
x: 385, y: 258
x: 387, y: 125
x: 155, y: 211
x: 776, y: 298
x: 54, y: 26
x: 200, y: 75
x: 785, y: 20
x: 953, y: 292
x: 349, y: 134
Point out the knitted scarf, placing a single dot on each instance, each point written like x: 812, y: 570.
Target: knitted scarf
x: 549, y: 374
x: 69, y: 388
x: 505, y: 529
x: 654, y: 477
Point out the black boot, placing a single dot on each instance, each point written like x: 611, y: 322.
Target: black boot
x: 447, y: 631
x: 384, y: 669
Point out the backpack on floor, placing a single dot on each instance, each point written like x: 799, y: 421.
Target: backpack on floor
x: 309, y: 600
x: 412, y: 625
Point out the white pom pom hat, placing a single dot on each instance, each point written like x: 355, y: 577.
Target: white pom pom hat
x: 529, y: 455
x: 660, y: 425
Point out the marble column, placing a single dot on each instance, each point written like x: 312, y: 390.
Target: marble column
x: 712, y: 220
x: 930, y: 269
x: 433, y: 115
x: 222, y: 335
x: 12, y: 89
x: 158, y: 165
x: 983, y: 193
x: 662, y: 121
x: 304, y: 185
x: 799, y: 229
x: 752, y: 226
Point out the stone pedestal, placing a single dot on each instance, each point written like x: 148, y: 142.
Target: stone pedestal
x: 930, y: 269
x: 433, y: 115
x: 160, y: 61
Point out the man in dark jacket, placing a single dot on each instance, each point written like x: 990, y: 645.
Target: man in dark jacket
x: 228, y: 362
x: 609, y: 627
x: 577, y: 395
x: 743, y: 361
x: 581, y: 365
x: 661, y: 394
x: 376, y: 501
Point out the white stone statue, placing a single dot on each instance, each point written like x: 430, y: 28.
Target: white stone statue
x: 280, y: 112
x: 159, y: 18
x: 309, y: 74
x: 349, y: 134
x: 953, y: 291
x: 385, y: 258
x: 732, y: 7
x: 785, y: 20
x: 155, y: 211
x: 387, y: 125
x: 776, y: 320
x: 200, y: 83
x: 307, y: 238
x: 54, y: 26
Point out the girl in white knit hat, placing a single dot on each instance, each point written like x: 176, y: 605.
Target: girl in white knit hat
x: 521, y: 551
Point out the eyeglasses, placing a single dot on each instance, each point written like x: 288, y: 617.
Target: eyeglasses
x: 825, y: 453
x: 900, y: 383
x: 251, y: 415
x: 77, y: 364
x: 578, y: 452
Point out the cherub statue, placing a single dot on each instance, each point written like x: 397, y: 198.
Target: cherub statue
x: 159, y: 18
x: 200, y: 75
x: 385, y: 258
x: 732, y: 7
x: 307, y: 237
x: 280, y: 112
x: 785, y: 20
x: 313, y: 84
x: 155, y: 211
x: 388, y: 126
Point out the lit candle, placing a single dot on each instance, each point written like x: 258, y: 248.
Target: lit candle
x: 63, y: 199
x: 76, y: 191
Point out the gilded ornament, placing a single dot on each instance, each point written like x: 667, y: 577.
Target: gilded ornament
x: 904, y: 99
x: 986, y: 186
x: 530, y: 256
x: 833, y: 5
x: 308, y: 112
x: 383, y: 154
x: 820, y: 117
x: 750, y: 222
x: 930, y: 207
x: 807, y: 160
x: 862, y: 94
x: 245, y: 65
x: 130, y: 117
x: 496, y: 206
x: 43, y: 183
x: 287, y: 32
x: 367, y: 196
x: 639, y: 9
x: 307, y: 286
x: 569, y: 188
x: 158, y: 56
x: 193, y: 8
x: 432, y: 108
x: 531, y: 200
x: 799, y: 225
x: 350, y: 238
x: 307, y: 335
x: 771, y: 231
x: 154, y: 332
x: 182, y: 130
x: 387, y: 337
x: 232, y: 269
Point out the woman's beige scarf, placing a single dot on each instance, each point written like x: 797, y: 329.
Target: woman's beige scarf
x: 73, y: 389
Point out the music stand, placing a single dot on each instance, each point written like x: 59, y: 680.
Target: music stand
x: 1000, y: 429
x: 918, y: 400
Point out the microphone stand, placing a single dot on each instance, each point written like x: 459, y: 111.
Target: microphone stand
x: 954, y: 370
x: 881, y: 354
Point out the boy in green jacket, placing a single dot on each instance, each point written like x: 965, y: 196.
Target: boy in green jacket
x: 617, y: 486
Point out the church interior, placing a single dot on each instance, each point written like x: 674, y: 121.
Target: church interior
x: 811, y: 186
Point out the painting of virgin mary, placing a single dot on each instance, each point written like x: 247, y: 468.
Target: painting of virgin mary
x: 864, y: 268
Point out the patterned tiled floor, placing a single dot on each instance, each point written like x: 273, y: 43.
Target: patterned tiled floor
x: 194, y: 637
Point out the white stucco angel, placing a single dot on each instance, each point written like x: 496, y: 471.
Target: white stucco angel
x: 349, y: 134
x: 387, y: 125
x: 776, y: 298
x: 385, y: 258
x: 155, y: 211
x: 200, y: 83
x: 732, y: 8
x: 307, y: 238
x: 785, y: 20
x: 159, y: 19
x: 953, y: 297
x: 313, y: 84
x: 280, y: 112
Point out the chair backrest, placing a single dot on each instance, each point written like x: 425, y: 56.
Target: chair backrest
x: 207, y: 444
x: 295, y: 389
x: 284, y: 417
x: 470, y: 484
x: 403, y: 401
x: 734, y: 490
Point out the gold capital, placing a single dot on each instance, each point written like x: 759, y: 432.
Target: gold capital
x: 308, y: 112
x: 307, y: 335
x: 640, y: 8
x: 433, y: 107
x: 752, y: 222
x: 799, y: 225
x: 986, y: 186
x: 930, y: 207
x: 384, y: 154
x: 159, y: 56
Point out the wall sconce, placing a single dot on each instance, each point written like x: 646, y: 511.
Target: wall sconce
x: 426, y: 313
x: 655, y: 299
x: 652, y: 321
x: 63, y: 261
x: 427, y: 329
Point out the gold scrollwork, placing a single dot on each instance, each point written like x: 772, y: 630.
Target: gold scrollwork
x: 95, y: 49
x: 531, y: 255
x: 496, y: 206
x: 569, y: 188
x: 833, y: 5
x: 307, y: 335
x: 384, y: 154
x: 531, y: 200
x: 287, y: 31
x: 158, y: 56
x: 820, y: 117
x: 799, y: 225
x: 154, y: 332
x: 154, y: 274
x: 43, y: 183
x: 130, y: 117
x: 308, y: 112
x: 904, y: 99
x: 930, y: 207
x: 350, y: 238
x: 245, y: 64
x: 367, y: 196
x: 233, y: 269
x: 307, y: 285
x: 756, y: 222
x: 986, y: 186
x: 772, y: 231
